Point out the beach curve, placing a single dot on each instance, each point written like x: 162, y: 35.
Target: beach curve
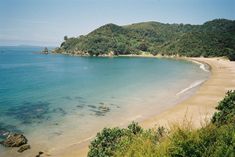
x: 196, y: 108
x: 200, y: 107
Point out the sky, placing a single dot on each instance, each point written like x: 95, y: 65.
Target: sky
x: 46, y: 22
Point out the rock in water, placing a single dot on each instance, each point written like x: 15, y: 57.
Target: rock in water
x: 45, y: 51
x: 14, y: 140
x: 23, y: 148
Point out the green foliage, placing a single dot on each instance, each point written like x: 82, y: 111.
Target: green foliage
x: 208, y: 141
x: 226, y: 109
x: 212, y: 140
x: 217, y: 139
x: 231, y: 55
x: 110, y: 139
x: 135, y: 128
x: 143, y: 144
x: 161, y: 131
x: 213, y: 38
x: 142, y: 47
x: 105, y: 142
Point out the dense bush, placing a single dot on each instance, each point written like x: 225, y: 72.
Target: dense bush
x: 226, y: 109
x: 107, y: 141
x: 217, y: 139
x: 231, y: 55
x: 135, y: 128
x: 209, y: 141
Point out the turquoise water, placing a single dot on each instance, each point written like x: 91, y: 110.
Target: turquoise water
x: 56, y: 96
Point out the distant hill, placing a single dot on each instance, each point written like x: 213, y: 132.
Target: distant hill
x: 213, y: 38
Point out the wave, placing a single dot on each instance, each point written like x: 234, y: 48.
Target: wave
x: 202, y: 66
x: 193, y: 85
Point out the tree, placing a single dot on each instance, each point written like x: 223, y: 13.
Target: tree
x: 231, y: 55
x: 105, y: 142
x: 142, y: 47
x: 65, y: 38
x: 226, y: 109
x: 120, y: 49
x: 214, y: 38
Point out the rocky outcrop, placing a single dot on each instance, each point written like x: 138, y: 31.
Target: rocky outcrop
x: 23, y: 148
x: 14, y: 140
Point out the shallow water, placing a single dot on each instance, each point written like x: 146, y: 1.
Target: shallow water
x: 51, y: 98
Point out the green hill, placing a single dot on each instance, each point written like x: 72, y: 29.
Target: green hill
x: 213, y: 38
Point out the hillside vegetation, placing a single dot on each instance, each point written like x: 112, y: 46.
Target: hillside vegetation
x: 216, y: 139
x: 213, y: 38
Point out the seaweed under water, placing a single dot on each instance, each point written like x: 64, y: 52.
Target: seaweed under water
x: 30, y: 112
x: 34, y: 112
x: 59, y: 110
x: 101, y: 110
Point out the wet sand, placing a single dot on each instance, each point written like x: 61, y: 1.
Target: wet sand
x: 197, y: 109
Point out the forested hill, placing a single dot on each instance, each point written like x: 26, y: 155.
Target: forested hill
x: 213, y: 38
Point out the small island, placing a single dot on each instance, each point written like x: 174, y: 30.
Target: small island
x: 45, y: 51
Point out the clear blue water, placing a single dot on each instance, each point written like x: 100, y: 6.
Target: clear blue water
x: 58, y: 95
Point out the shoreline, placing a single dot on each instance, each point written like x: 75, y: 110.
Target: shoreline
x: 196, y: 108
x: 200, y: 107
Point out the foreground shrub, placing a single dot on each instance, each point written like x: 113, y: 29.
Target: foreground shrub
x: 226, y: 109
x: 137, y: 145
x: 142, y: 144
x: 205, y: 142
x: 135, y: 128
x: 217, y: 139
x: 108, y: 140
x: 105, y: 142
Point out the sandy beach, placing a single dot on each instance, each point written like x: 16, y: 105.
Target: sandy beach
x: 197, y: 108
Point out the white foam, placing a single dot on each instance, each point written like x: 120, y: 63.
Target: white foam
x: 194, y: 84
x: 202, y: 66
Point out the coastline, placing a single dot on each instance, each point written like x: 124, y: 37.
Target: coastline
x: 196, y: 108
x: 200, y: 107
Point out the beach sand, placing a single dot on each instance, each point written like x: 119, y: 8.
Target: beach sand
x: 197, y: 108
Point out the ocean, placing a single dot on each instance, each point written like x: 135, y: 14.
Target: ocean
x: 52, y: 98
